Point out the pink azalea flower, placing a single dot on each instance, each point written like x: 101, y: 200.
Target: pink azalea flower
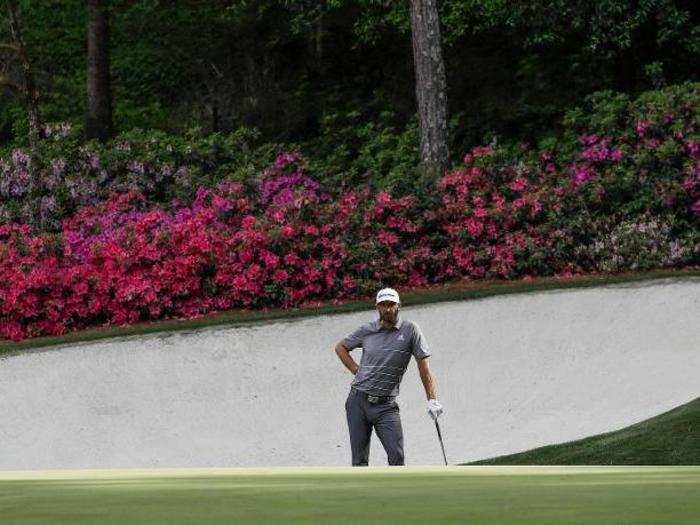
x: 695, y: 208
x: 582, y: 174
x: 310, y: 229
x: 588, y: 140
x: 387, y: 238
x: 642, y: 127
x: 480, y: 213
x: 518, y: 184
x: 280, y: 276
x: 474, y: 227
x: 270, y: 259
x: 482, y: 151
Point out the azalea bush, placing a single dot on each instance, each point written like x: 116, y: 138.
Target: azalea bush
x: 640, y: 164
x: 622, y: 193
x: 65, y: 174
x: 641, y: 244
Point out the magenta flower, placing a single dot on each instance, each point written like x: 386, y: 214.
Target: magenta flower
x: 600, y: 151
x: 285, y: 159
x: 642, y: 127
x: 387, y: 238
x: 482, y: 151
x: 310, y: 229
x: 581, y: 175
x: 588, y: 140
x: 279, y: 185
x: 695, y: 208
x: 222, y: 204
x: 689, y: 183
x: 480, y: 213
x: 518, y: 184
x: 479, y: 202
x: 280, y: 276
x: 248, y: 222
x: 474, y: 226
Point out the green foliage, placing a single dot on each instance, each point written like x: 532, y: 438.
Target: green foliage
x: 284, y: 66
x: 364, y: 147
x: 615, y: 114
x: 625, y: 223
x: 209, y: 158
x: 68, y: 173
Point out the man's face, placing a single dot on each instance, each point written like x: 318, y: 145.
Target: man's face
x: 388, y: 311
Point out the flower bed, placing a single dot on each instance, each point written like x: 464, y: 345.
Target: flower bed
x: 618, y: 196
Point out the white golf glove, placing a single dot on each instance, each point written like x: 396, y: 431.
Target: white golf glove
x: 434, y: 408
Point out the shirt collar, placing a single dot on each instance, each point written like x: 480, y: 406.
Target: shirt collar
x: 399, y: 322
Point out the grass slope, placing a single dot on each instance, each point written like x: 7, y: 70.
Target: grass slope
x: 502, y: 495
x: 672, y: 438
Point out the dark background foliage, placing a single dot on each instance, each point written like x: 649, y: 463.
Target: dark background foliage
x: 316, y: 73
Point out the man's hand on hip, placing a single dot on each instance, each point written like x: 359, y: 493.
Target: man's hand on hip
x: 434, y: 408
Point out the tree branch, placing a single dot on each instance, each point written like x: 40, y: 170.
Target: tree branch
x: 5, y: 81
x: 10, y: 47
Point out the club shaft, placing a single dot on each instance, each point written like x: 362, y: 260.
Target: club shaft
x: 442, y: 445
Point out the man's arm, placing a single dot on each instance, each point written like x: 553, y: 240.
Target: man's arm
x: 427, y: 377
x: 346, y: 358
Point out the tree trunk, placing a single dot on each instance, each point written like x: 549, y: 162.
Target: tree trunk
x: 431, y: 86
x: 99, y: 118
x: 29, y: 89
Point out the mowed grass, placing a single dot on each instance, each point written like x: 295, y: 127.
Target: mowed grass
x: 487, y: 494
x: 672, y: 438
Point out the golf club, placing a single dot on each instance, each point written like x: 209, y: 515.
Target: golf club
x: 442, y: 445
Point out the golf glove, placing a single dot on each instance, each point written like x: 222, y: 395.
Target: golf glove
x: 434, y: 408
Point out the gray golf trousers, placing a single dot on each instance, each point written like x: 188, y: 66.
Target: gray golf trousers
x: 383, y: 417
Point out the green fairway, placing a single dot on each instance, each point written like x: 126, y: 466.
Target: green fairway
x: 518, y: 495
x: 672, y: 438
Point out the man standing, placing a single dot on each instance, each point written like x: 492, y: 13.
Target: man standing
x: 387, y: 345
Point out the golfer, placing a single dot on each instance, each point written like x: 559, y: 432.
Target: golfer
x: 387, y: 346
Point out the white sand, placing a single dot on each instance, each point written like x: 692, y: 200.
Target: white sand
x: 514, y: 372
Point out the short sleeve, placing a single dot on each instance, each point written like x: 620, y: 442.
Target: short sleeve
x: 354, y: 339
x: 419, y: 347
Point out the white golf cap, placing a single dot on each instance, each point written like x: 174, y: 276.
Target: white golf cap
x: 388, y: 294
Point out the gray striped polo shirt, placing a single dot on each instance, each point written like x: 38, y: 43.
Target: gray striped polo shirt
x: 385, y: 354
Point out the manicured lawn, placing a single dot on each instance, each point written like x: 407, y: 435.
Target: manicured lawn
x: 672, y: 438
x: 434, y: 495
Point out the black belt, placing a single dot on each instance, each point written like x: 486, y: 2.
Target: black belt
x: 374, y: 399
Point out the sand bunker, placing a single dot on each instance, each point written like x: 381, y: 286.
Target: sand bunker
x: 514, y: 372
